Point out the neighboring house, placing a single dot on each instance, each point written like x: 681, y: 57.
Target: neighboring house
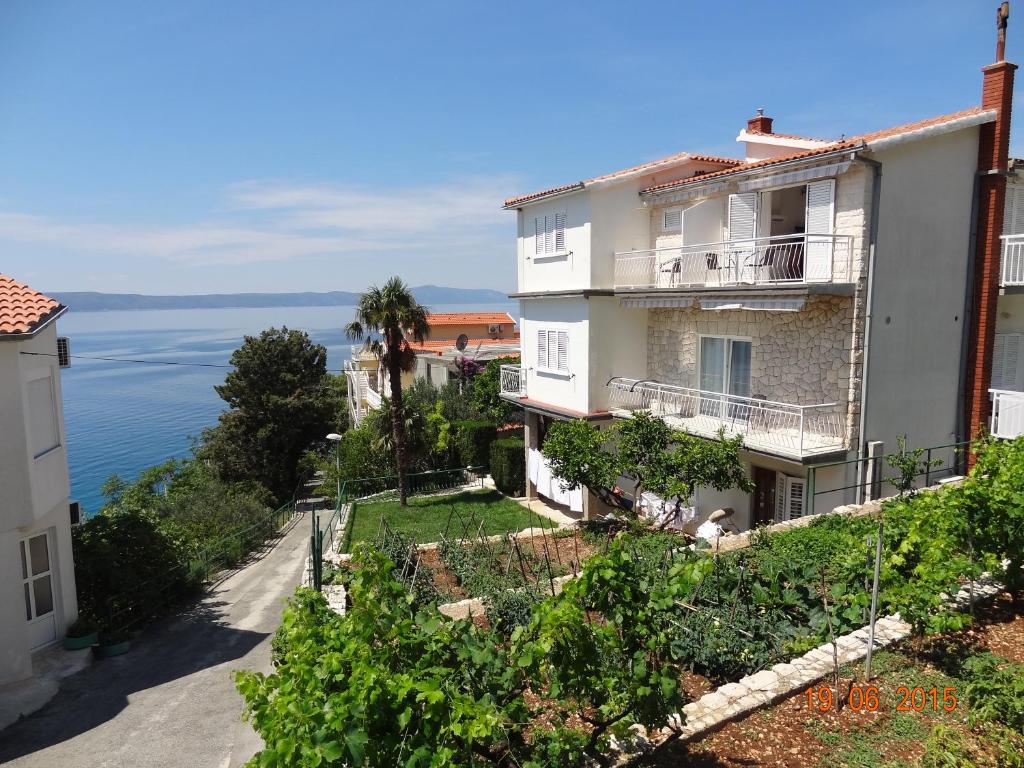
x: 480, y: 336
x: 37, y: 574
x: 817, y: 296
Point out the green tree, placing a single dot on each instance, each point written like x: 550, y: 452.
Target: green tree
x: 485, y: 393
x: 385, y: 317
x: 645, y: 449
x: 281, y: 400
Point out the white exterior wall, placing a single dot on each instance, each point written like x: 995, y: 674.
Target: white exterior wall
x: 560, y: 272
x: 33, y: 500
x: 1011, y: 313
x: 919, y: 285
x: 562, y: 314
x: 619, y: 224
x: 617, y: 346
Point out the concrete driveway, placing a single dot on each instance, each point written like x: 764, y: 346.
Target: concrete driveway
x: 171, y: 701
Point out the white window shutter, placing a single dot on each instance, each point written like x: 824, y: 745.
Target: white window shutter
x: 818, y: 217
x: 538, y: 234
x: 542, y: 349
x: 743, y: 216
x: 780, y: 497
x: 1013, y: 219
x: 672, y: 220
x: 563, y: 351
x: 795, y: 497
x: 1007, y: 357
x: 559, y: 232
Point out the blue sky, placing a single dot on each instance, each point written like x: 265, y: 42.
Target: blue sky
x: 193, y: 147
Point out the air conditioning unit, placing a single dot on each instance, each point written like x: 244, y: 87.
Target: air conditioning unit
x: 494, y: 328
x: 75, y: 508
x: 63, y: 351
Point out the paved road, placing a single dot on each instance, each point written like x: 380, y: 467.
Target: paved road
x: 170, y: 701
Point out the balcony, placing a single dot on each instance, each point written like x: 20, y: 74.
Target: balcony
x: 1011, y: 273
x: 1007, y: 413
x: 760, y: 261
x: 513, y: 381
x: 783, y: 429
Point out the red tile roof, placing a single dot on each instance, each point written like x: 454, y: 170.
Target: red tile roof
x: 22, y: 309
x: 648, y: 166
x: 469, y: 318
x: 441, y: 346
x: 850, y: 143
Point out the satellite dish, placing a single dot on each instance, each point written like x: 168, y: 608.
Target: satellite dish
x: 461, y: 342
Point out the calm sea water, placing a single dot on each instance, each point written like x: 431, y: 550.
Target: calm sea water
x: 124, y: 417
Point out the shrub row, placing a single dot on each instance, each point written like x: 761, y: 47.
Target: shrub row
x: 508, y: 465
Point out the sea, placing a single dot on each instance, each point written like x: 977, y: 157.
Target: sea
x: 122, y: 417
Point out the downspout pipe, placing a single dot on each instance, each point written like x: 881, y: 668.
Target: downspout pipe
x: 963, y: 420
x: 876, y: 194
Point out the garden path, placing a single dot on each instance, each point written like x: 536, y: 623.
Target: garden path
x: 171, y: 701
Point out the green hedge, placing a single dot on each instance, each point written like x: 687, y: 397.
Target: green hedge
x: 508, y: 465
x: 473, y: 442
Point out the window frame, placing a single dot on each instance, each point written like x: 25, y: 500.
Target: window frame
x: 540, y: 243
x: 37, y: 452
x: 676, y: 230
x: 727, y: 366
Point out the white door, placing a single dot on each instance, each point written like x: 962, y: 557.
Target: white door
x: 742, y: 248
x: 37, y: 584
x: 818, y: 221
x: 725, y: 369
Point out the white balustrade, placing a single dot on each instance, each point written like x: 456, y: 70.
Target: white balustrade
x: 513, y: 380
x: 1007, y: 413
x: 1012, y: 267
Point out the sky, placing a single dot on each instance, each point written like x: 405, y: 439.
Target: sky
x: 200, y: 147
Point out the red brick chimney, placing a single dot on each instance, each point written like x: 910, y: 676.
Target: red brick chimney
x: 993, y: 156
x: 759, y: 124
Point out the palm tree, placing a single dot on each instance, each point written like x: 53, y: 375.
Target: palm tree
x: 384, y: 318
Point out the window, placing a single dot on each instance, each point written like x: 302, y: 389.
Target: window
x: 725, y: 369
x: 549, y: 234
x: 1008, y: 362
x: 672, y: 220
x: 35, y: 577
x: 553, y: 351
x: 42, y: 416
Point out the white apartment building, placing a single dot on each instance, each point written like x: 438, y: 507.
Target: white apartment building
x: 1008, y: 351
x: 816, y: 296
x: 37, y: 573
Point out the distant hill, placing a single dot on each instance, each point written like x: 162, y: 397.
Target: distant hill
x: 91, y: 301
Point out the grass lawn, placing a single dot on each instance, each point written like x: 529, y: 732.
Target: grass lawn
x: 425, y: 518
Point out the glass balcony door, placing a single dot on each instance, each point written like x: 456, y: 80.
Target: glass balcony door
x: 725, y: 369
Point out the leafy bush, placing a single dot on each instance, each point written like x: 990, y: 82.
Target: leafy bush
x: 486, y: 396
x: 508, y: 465
x: 127, y: 565
x: 995, y: 689
x: 473, y: 442
x: 507, y: 609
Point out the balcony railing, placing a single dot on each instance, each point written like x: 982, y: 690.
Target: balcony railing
x: 1007, y: 413
x: 795, y: 431
x: 1012, y: 269
x: 513, y: 381
x: 780, y: 260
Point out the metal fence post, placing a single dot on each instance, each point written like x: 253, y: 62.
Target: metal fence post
x: 928, y: 468
x: 809, y: 490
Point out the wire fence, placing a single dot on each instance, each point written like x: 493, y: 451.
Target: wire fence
x: 876, y: 474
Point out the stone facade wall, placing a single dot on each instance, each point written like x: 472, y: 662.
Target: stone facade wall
x: 801, y: 357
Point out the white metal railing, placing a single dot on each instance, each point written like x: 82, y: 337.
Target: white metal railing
x: 781, y: 428
x: 804, y: 258
x: 1012, y: 266
x: 513, y: 380
x: 1007, y: 413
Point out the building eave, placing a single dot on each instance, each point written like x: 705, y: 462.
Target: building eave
x: 25, y: 335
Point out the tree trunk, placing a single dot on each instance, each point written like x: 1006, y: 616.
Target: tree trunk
x: 398, y: 429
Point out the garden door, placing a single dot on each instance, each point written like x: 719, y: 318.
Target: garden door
x: 37, y: 582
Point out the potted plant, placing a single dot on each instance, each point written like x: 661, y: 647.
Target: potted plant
x: 113, y: 642
x: 82, y: 634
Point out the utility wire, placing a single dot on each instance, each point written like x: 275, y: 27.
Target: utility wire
x: 130, y: 360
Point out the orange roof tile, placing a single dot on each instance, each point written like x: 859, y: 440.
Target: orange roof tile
x: 648, y: 166
x: 469, y: 318
x: 441, y: 346
x: 851, y: 142
x: 22, y: 309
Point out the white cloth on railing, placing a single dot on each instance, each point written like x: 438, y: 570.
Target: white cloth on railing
x: 661, y: 510
x: 709, y: 531
x: 550, y: 486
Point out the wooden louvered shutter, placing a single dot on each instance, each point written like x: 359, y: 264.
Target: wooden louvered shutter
x: 795, y: 497
x: 542, y: 349
x: 1013, y: 223
x: 563, y: 351
x: 818, y: 221
x: 559, y: 232
x: 672, y: 220
x: 780, y: 497
x: 538, y: 234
